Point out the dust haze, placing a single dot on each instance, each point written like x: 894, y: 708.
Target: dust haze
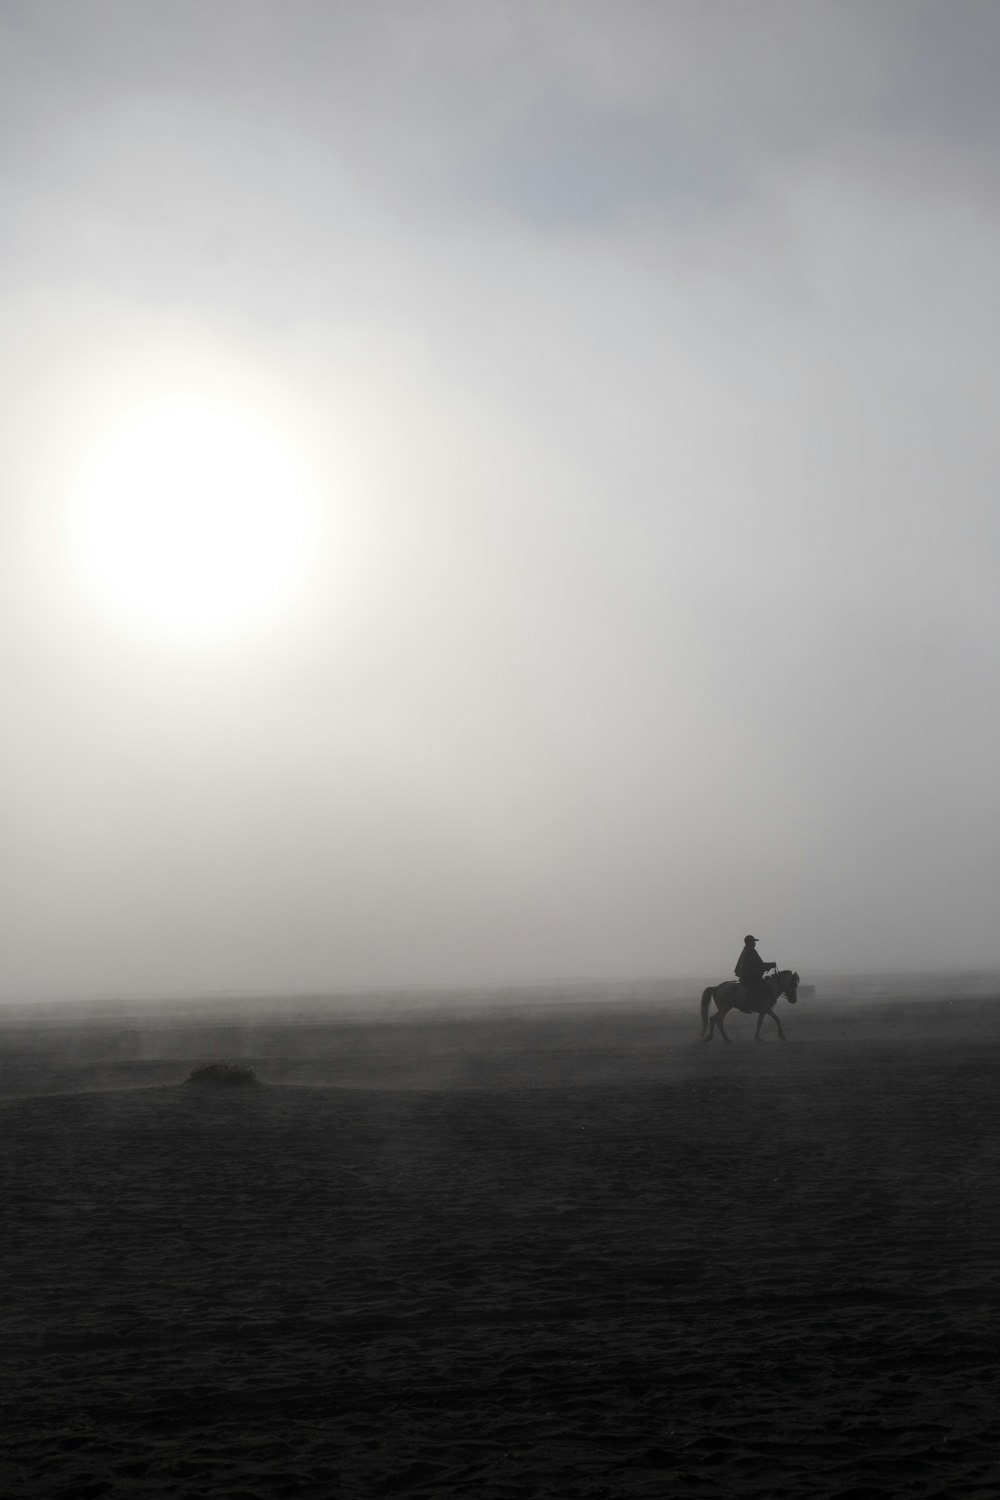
x: 511, y: 1039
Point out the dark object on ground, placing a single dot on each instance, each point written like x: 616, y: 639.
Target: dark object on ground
x: 226, y: 1074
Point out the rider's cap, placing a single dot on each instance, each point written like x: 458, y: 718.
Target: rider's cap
x: 750, y: 938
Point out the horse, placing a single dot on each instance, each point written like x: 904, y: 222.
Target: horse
x: 732, y: 995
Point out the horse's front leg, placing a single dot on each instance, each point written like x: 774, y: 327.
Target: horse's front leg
x: 777, y: 1023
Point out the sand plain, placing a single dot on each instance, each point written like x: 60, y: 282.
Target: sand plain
x: 528, y: 1251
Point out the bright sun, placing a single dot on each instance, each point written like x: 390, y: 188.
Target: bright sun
x: 193, y: 520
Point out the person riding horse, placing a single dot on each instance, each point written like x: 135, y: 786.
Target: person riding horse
x: 751, y: 968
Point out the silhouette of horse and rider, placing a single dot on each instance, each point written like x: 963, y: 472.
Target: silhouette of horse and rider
x: 754, y: 989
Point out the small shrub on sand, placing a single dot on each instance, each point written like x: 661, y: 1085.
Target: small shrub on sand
x: 225, y: 1075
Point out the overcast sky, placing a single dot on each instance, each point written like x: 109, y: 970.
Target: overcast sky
x: 627, y: 372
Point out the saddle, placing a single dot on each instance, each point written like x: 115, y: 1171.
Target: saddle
x: 748, y: 999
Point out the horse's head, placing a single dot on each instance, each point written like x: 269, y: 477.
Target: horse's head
x: 789, y: 985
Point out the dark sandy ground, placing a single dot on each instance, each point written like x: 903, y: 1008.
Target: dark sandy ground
x: 554, y: 1255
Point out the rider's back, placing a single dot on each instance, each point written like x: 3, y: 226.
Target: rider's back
x: 750, y: 967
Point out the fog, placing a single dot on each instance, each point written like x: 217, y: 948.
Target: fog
x: 633, y: 368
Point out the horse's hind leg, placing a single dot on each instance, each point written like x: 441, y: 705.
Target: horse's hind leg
x: 722, y: 1029
x: 760, y: 1022
x: 709, y: 1031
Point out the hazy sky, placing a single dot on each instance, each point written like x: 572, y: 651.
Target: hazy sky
x: 496, y: 491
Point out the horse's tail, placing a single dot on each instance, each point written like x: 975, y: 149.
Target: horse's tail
x: 707, y: 996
